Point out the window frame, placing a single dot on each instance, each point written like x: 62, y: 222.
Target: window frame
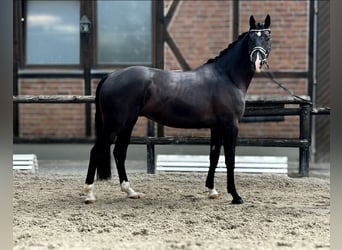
x: 103, y: 67
x: 88, y: 8
x: 22, y: 45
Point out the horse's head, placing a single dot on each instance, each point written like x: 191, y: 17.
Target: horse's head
x: 259, y: 43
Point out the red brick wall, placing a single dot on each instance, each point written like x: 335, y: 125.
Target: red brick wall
x: 289, y: 23
x: 201, y: 29
x: 51, y: 120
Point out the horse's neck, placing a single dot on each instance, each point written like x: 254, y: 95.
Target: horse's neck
x: 236, y: 65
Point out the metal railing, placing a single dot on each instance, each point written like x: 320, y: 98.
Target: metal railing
x: 255, y: 106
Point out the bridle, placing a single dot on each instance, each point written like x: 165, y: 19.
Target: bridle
x: 269, y: 72
x: 260, y: 49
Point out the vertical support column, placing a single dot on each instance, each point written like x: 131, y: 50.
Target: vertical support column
x: 151, y: 165
x: 18, y: 14
x: 86, y: 61
x: 236, y: 19
x: 159, y: 38
x: 87, y: 91
x: 304, y: 151
x: 158, y: 24
x: 150, y: 128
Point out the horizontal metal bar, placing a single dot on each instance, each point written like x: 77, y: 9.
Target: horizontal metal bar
x: 266, y: 142
x: 272, y: 112
x: 262, y: 118
x: 321, y: 111
x: 284, y: 74
x: 51, y: 74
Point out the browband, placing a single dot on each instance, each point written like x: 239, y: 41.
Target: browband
x: 259, y: 30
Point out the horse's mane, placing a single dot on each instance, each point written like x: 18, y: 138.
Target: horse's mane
x: 225, y: 51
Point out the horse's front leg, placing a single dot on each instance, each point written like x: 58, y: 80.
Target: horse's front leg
x: 229, y: 143
x: 215, y: 147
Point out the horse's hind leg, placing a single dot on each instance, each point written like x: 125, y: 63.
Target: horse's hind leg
x: 229, y: 143
x: 99, y: 158
x: 120, y: 153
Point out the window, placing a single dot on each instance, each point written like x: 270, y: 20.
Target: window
x: 52, y: 32
x: 121, y: 32
x: 124, y: 32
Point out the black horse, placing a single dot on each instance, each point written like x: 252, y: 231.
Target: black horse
x: 210, y: 96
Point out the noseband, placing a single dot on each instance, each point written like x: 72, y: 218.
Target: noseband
x: 260, y: 49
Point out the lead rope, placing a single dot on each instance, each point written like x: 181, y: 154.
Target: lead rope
x: 280, y: 85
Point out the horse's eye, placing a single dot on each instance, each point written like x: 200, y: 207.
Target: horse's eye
x: 267, y: 36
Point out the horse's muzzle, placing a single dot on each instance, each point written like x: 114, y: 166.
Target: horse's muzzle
x: 261, y: 57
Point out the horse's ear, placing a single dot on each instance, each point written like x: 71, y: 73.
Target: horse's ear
x: 267, y: 21
x: 252, y: 22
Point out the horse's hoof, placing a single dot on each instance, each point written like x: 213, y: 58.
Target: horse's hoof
x: 134, y: 196
x: 89, y: 202
x: 214, y: 196
x: 125, y: 187
x: 88, y: 190
x: 237, y: 201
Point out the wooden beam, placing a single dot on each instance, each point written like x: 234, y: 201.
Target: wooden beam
x: 252, y: 100
x: 185, y: 66
x: 171, y: 12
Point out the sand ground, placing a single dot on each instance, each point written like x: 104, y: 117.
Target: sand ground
x: 173, y: 213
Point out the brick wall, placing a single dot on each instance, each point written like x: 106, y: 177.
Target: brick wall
x: 289, y: 23
x: 201, y: 29
x: 51, y: 120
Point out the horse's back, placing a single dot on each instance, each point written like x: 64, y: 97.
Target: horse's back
x: 124, y: 78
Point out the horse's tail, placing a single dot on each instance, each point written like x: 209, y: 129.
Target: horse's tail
x: 103, y: 161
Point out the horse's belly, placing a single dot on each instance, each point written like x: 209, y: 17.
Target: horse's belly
x: 182, y: 119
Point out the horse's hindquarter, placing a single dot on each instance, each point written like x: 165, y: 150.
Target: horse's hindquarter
x: 122, y: 93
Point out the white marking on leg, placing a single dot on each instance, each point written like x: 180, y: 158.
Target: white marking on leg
x: 88, y: 190
x: 213, y: 194
x: 125, y: 187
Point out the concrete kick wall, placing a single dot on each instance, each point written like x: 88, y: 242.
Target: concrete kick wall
x: 73, y: 158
